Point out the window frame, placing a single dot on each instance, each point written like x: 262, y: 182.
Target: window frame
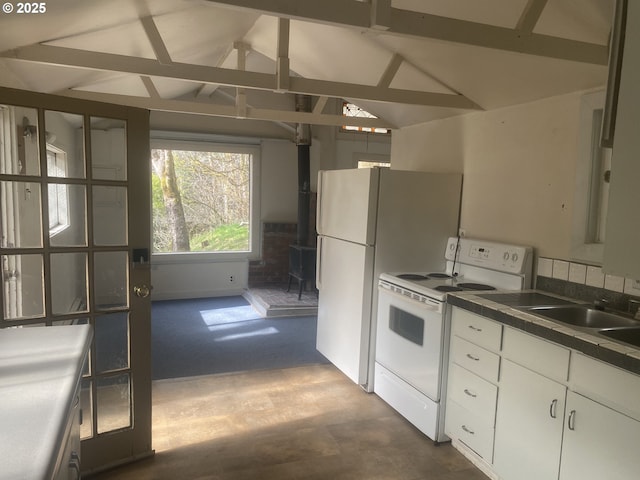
x: 60, y: 155
x: 584, y: 247
x: 346, y: 128
x: 205, y: 145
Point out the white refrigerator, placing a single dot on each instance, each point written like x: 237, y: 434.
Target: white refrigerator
x: 371, y: 221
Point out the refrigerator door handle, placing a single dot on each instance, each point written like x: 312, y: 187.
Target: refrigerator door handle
x: 319, y: 264
x: 319, y: 204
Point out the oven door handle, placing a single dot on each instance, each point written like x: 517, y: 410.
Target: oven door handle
x: 429, y: 304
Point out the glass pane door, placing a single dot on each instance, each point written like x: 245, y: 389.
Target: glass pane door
x: 69, y: 224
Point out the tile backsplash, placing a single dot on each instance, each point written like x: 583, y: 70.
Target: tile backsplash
x: 584, y: 282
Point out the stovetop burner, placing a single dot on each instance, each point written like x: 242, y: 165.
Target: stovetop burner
x: 475, y: 286
x: 448, y: 288
x: 435, y: 285
x: 439, y: 275
x: 413, y: 276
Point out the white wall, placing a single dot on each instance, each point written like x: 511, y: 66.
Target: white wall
x: 352, y: 147
x: 518, y: 164
x: 198, y: 279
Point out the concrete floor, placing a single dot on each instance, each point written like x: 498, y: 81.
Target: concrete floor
x: 306, y: 422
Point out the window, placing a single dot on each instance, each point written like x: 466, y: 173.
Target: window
x: 58, y: 193
x: 599, y: 183
x: 202, y: 198
x: 351, y: 110
x: 592, y: 183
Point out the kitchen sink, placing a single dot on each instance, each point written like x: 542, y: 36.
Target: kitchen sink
x: 584, y: 316
x: 630, y: 335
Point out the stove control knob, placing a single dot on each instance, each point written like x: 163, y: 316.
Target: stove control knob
x: 514, y: 257
x: 506, y: 255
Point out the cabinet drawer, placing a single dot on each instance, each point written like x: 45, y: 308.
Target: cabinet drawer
x: 475, y: 359
x: 541, y: 356
x: 476, y: 329
x: 470, y: 430
x: 473, y: 393
x: 609, y: 385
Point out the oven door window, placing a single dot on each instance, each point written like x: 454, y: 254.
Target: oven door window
x: 406, y: 325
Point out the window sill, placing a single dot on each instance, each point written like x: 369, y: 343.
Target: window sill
x: 200, y: 257
x: 57, y: 230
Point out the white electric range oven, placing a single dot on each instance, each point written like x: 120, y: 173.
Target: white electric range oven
x: 414, y: 324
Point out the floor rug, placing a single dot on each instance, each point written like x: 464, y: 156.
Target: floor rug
x: 222, y: 335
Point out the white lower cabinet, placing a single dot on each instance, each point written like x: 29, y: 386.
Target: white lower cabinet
x: 472, y: 390
x: 529, y: 423
x: 68, y: 462
x: 472, y: 430
x: 598, y: 442
x: 531, y: 409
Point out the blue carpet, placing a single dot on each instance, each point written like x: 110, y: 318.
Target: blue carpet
x: 222, y: 335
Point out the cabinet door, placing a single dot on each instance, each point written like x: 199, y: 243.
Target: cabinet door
x: 529, y: 423
x: 623, y: 234
x: 598, y: 442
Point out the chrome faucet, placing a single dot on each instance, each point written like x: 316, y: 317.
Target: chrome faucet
x: 600, y: 304
x: 634, y: 308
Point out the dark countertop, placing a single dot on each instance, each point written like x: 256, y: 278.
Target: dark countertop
x: 501, y: 308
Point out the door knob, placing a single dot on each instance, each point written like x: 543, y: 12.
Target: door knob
x: 142, y: 291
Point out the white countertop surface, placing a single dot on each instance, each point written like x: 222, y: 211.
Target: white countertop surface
x: 39, y: 370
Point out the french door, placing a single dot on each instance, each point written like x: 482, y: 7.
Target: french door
x: 75, y: 242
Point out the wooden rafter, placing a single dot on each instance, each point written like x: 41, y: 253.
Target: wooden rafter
x: 391, y: 70
x: 380, y: 16
x: 282, y: 56
x: 205, y: 108
x: 159, y: 48
x: 51, y: 55
x: 531, y: 15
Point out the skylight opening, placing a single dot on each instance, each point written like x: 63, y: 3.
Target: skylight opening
x: 352, y: 110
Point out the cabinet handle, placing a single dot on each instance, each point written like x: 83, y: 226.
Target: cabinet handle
x: 471, y: 394
x: 472, y: 357
x: 553, y: 407
x: 571, y: 423
x: 470, y: 432
x: 475, y: 329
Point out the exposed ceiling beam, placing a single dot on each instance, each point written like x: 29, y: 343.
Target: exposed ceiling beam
x: 209, y: 109
x: 291, y: 129
x: 531, y: 15
x: 158, y: 45
x: 62, y: 56
x: 151, y: 88
x: 241, y: 94
x: 381, y: 17
x: 320, y: 104
x: 391, y: 70
x: 282, y: 56
x: 381, y: 14
x: 367, y: 92
x: 205, y: 90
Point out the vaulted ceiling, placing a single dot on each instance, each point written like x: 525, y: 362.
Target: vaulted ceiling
x: 406, y: 61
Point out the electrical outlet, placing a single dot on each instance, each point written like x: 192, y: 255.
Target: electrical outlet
x: 231, y: 279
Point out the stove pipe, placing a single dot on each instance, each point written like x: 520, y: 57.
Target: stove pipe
x: 303, y: 141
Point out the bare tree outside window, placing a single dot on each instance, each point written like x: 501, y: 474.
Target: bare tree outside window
x: 201, y: 201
